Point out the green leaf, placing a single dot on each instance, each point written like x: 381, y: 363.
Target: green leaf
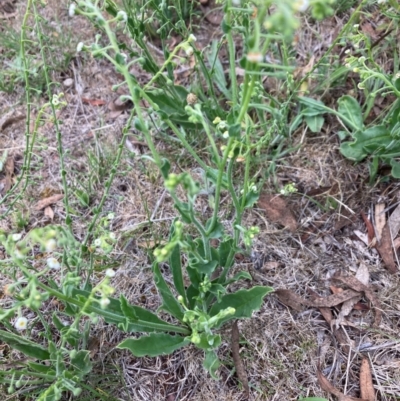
x: 166, y: 103
x: 234, y: 131
x: 374, y: 140
x: 206, y: 339
x: 114, y: 314
x: 170, y: 303
x: 218, y: 229
x: 38, y: 367
x: 315, y: 123
x: 154, y: 344
x: 351, y: 111
x: 27, y: 347
x: 57, y: 322
x: 317, y: 106
x: 81, y: 362
x: 165, y: 167
x: 211, y: 363
x: 245, y: 303
x: 191, y: 294
x: 175, y: 265
x: 395, y: 168
x: 239, y: 276
x: 217, y: 70
x: 224, y: 250
x: 251, y: 199
x: 205, y: 268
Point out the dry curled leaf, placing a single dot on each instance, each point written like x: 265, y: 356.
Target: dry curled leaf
x: 339, y: 333
x: 366, y: 386
x: 240, y: 369
x: 386, y: 251
x: 356, y: 285
x: 48, y: 212
x: 93, y: 102
x: 10, y: 119
x: 326, y: 385
x: 363, y: 276
x: 290, y: 298
x: 43, y: 203
x: 277, y: 211
x: 370, y: 228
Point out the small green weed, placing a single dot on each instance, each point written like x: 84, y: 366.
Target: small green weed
x: 238, y: 123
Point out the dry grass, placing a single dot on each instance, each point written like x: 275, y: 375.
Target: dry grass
x: 281, y: 349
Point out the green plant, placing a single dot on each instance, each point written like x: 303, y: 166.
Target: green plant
x: 200, y: 249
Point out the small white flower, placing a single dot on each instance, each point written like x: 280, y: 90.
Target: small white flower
x: 192, y: 38
x: 21, y: 323
x: 71, y: 10
x: 97, y: 242
x: 104, y: 302
x: 110, y: 273
x: 16, y: 237
x: 189, y: 51
x: 225, y: 135
x: 79, y: 47
x: 122, y: 16
x: 50, y: 245
x: 112, y: 236
x: 53, y: 263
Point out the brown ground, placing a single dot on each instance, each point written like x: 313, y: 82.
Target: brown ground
x: 282, y: 348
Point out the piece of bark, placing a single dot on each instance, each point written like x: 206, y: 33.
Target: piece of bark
x: 240, y: 369
x: 366, y: 386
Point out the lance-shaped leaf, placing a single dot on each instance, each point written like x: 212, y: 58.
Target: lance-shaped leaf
x: 153, y: 345
x: 245, y: 303
x: 170, y: 303
x: 175, y: 265
x: 351, y: 112
x: 121, y: 313
x: 29, y: 348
